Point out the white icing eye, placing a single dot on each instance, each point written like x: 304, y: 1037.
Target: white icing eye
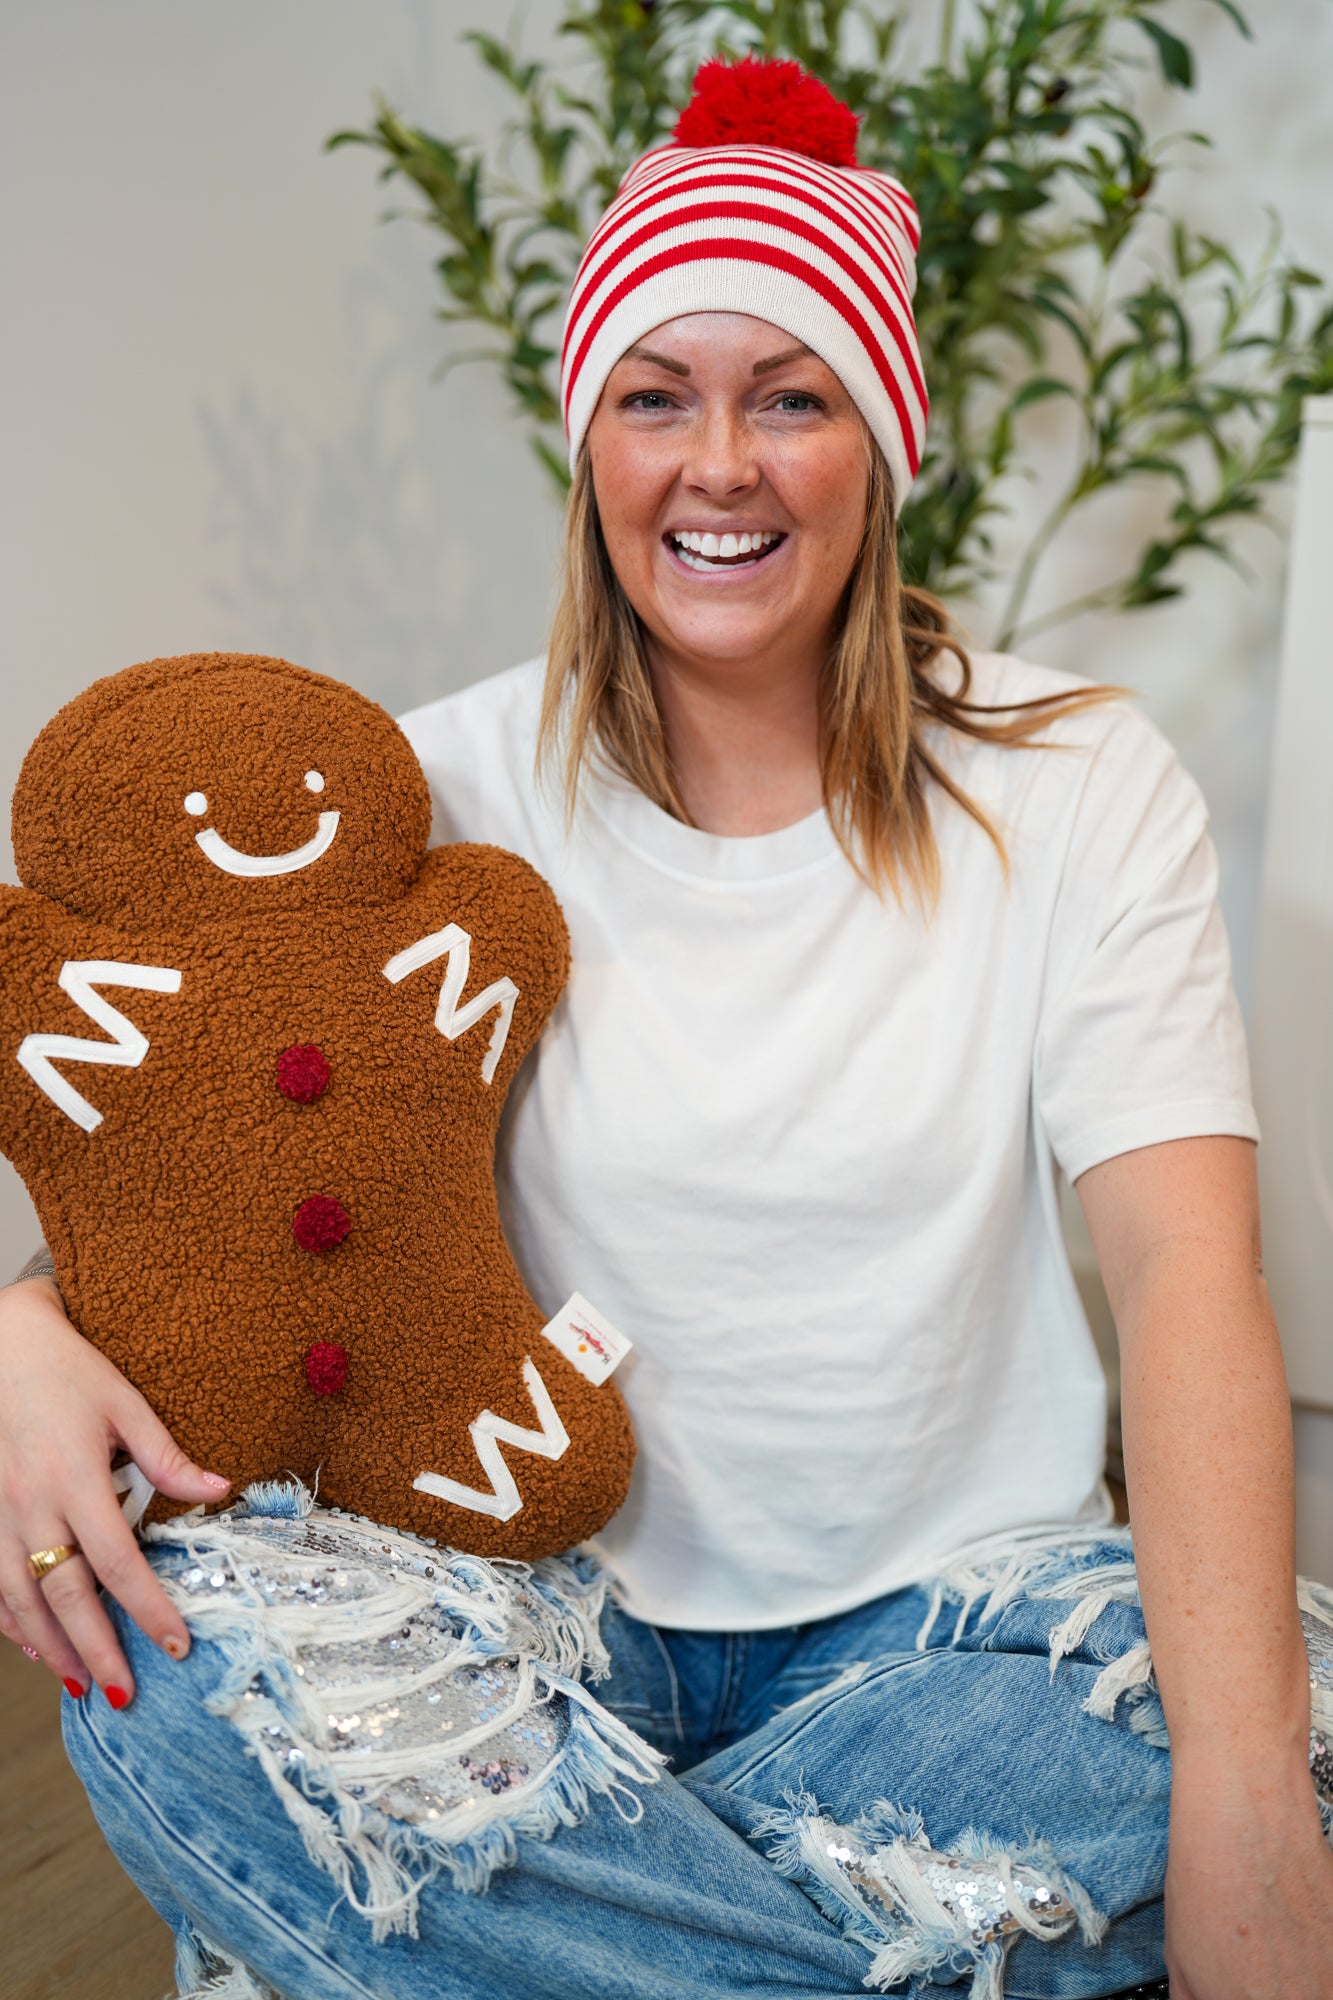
x: 196, y: 803
x: 314, y: 781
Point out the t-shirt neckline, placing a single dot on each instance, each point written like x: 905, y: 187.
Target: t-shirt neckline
x: 712, y: 857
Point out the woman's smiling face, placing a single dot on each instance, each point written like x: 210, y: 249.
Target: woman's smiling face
x: 731, y: 470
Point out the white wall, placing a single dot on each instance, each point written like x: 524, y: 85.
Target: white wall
x: 219, y: 427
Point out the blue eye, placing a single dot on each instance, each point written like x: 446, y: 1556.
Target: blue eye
x: 648, y: 399
x: 796, y: 402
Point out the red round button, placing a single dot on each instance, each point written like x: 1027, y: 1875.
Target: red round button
x: 303, y: 1072
x: 320, y: 1223
x: 326, y: 1367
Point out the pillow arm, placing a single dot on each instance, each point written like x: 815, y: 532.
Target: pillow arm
x: 492, y: 933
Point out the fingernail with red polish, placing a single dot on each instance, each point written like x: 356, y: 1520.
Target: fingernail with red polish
x: 174, y: 1648
x: 32, y: 1652
x: 75, y: 1692
x: 117, y: 1697
x: 216, y: 1479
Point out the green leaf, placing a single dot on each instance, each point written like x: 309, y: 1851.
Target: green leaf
x: 1044, y: 304
x: 1173, y: 54
x: 1229, y: 7
x: 556, y: 464
x: 1040, y: 387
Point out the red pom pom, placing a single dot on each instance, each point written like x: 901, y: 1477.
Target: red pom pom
x: 320, y: 1223
x: 326, y: 1367
x: 303, y: 1074
x: 759, y: 102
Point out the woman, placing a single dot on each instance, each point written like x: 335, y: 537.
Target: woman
x: 865, y: 937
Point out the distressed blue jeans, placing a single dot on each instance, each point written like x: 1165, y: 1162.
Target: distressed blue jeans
x: 845, y: 1803
x: 963, y: 1728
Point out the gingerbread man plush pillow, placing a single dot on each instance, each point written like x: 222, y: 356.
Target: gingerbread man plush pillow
x: 254, y: 1043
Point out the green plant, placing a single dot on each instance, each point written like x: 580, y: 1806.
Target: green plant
x: 1050, y: 267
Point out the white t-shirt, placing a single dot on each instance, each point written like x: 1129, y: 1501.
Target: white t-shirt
x: 796, y: 1142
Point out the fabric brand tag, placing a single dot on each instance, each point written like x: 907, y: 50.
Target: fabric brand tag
x: 587, y: 1339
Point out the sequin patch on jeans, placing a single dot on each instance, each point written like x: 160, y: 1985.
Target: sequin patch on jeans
x: 917, y: 1910
x: 977, y: 1897
x: 414, y: 1708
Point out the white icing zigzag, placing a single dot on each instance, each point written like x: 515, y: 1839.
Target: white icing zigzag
x: 454, y: 945
x: 126, y: 1049
x: 489, y: 1432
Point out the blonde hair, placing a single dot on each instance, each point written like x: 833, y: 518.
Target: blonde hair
x: 878, y: 696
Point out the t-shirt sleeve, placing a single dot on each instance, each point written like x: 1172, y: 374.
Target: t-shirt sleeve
x: 1140, y: 1038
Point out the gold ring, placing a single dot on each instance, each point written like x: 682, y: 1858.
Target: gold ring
x: 42, y: 1561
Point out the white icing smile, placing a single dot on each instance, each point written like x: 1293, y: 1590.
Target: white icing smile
x: 234, y: 861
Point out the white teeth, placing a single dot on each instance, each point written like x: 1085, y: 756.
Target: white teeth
x: 705, y: 551
x: 693, y: 539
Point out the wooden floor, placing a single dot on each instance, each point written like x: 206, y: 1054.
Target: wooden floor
x: 72, y: 1925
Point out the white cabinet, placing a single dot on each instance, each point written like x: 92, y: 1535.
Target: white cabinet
x: 1292, y: 1043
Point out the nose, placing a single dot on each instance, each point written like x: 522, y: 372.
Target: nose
x: 721, y: 463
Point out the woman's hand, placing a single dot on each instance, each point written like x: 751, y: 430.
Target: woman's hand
x: 1249, y: 1887
x: 64, y: 1410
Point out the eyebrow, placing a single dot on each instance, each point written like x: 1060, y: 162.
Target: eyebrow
x: 778, y: 360
x: 681, y: 368
x: 662, y: 360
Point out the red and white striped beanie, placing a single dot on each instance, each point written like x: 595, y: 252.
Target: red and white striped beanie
x: 756, y: 205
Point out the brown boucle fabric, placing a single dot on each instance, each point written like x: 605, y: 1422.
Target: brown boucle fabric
x: 172, y: 1221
